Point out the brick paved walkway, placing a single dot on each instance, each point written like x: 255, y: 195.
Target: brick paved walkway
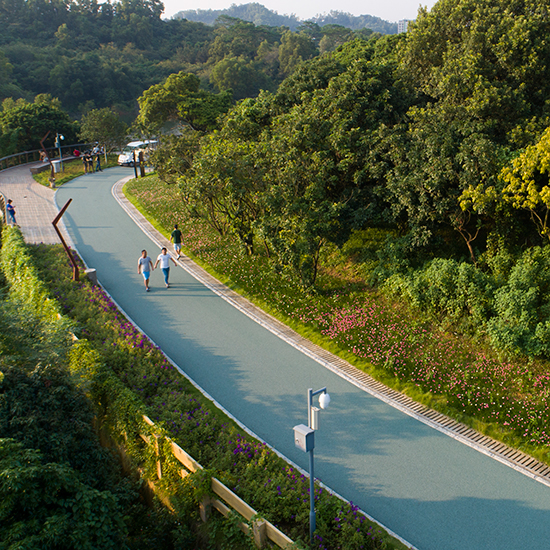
x: 34, y: 204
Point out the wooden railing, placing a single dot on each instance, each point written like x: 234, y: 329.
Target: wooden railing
x: 262, y: 530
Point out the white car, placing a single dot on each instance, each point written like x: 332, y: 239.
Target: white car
x: 126, y: 158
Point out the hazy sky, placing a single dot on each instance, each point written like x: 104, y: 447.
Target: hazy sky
x: 391, y: 10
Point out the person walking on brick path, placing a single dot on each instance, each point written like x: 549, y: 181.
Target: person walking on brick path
x: 164, y: 259
x: 175, y: 237
x: 145, y: 266
x: 11, y: 213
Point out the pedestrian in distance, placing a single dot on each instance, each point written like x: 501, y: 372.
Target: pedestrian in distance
x: 85, y: 162
x: 90, y: 162
x: 145, y: 266
x: 98, y: 162
x: 10, y: 210
x: 164, y: 260
x: 175, y: 237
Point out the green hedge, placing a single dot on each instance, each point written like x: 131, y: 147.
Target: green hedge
x: 23, y: 279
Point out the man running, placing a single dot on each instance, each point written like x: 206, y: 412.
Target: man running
x: 145, y: 266
x: 175, y: 237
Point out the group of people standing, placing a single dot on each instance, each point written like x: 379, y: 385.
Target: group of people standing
x: 145, y: 263
x: 89, y: 157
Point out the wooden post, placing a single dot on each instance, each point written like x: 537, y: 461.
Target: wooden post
x: 205, y: 508
x: 67, y: 250
x: 142, y: 164
x: 259, y: 528
x: 157, y: 452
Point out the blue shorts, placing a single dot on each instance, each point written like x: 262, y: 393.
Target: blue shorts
x: 177, y: 247
x: 146, y: 274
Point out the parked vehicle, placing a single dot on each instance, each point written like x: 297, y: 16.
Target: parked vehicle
x: 126, y: 158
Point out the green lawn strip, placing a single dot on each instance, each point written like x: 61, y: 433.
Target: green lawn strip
x: 249, y: 468
x: 162, y: 205
x: 71, y: 169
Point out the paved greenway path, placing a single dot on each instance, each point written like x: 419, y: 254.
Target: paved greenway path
x: 432, y: 490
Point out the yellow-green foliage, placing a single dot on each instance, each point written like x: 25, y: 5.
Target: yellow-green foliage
x: 22, y: 277
x: 527, y: 182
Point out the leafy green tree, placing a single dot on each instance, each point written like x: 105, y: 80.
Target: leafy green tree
x: 179, y: 98
x: 478, y: 97
x: 236, y: 38
x: 322, y: 168
x: 24, y: 125
x: 104, y: 126
x: 294, y: 49
x: 224, y: 189
x: 47, y: 505
x: 526, y: 183
x: 8, y: 88
x: 244, y: 78
x: 174, y: 157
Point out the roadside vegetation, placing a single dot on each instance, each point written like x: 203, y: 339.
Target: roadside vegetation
x: 126, y: 375
x: 72, y: 169
x: 398, y: 344
x: 59, y: 488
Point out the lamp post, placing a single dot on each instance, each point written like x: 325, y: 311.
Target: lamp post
x: 304, y: 439
x: 58, y: 138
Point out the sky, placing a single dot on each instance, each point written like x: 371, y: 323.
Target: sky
x: 390, y: 10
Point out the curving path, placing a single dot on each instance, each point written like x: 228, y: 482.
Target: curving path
x: 428, y: 487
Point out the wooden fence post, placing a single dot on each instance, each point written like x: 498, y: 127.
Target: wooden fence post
x: 205, y: 508
x: 259, y: 529
x: 157, y: 453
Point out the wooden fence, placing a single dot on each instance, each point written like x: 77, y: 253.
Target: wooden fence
x: 262, y: 530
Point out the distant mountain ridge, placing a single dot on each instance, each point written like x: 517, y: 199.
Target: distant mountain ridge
x: 260, y: 15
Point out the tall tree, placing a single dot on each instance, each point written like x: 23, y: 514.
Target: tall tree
x: 104, y: 126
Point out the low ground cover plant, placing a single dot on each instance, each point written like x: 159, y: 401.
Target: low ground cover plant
x: 248, y: 467
x: 507, y: 399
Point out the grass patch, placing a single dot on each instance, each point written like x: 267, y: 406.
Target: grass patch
x: 506, y: 400
x: 72, y: 169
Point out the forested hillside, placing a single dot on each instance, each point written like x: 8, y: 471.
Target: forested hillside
x: 428, y: 151
x: 96, y: 55
x: 260, y: 15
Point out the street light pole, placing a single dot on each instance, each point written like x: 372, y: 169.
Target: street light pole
x: 58, y: 138
x: 304, y: 439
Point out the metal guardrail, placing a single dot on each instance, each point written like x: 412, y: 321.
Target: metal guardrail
x: 27, y: 157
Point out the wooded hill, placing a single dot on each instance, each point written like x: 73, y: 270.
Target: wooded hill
x: 260, y: 15
x: 425, y: 155
x: 94, y: 55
